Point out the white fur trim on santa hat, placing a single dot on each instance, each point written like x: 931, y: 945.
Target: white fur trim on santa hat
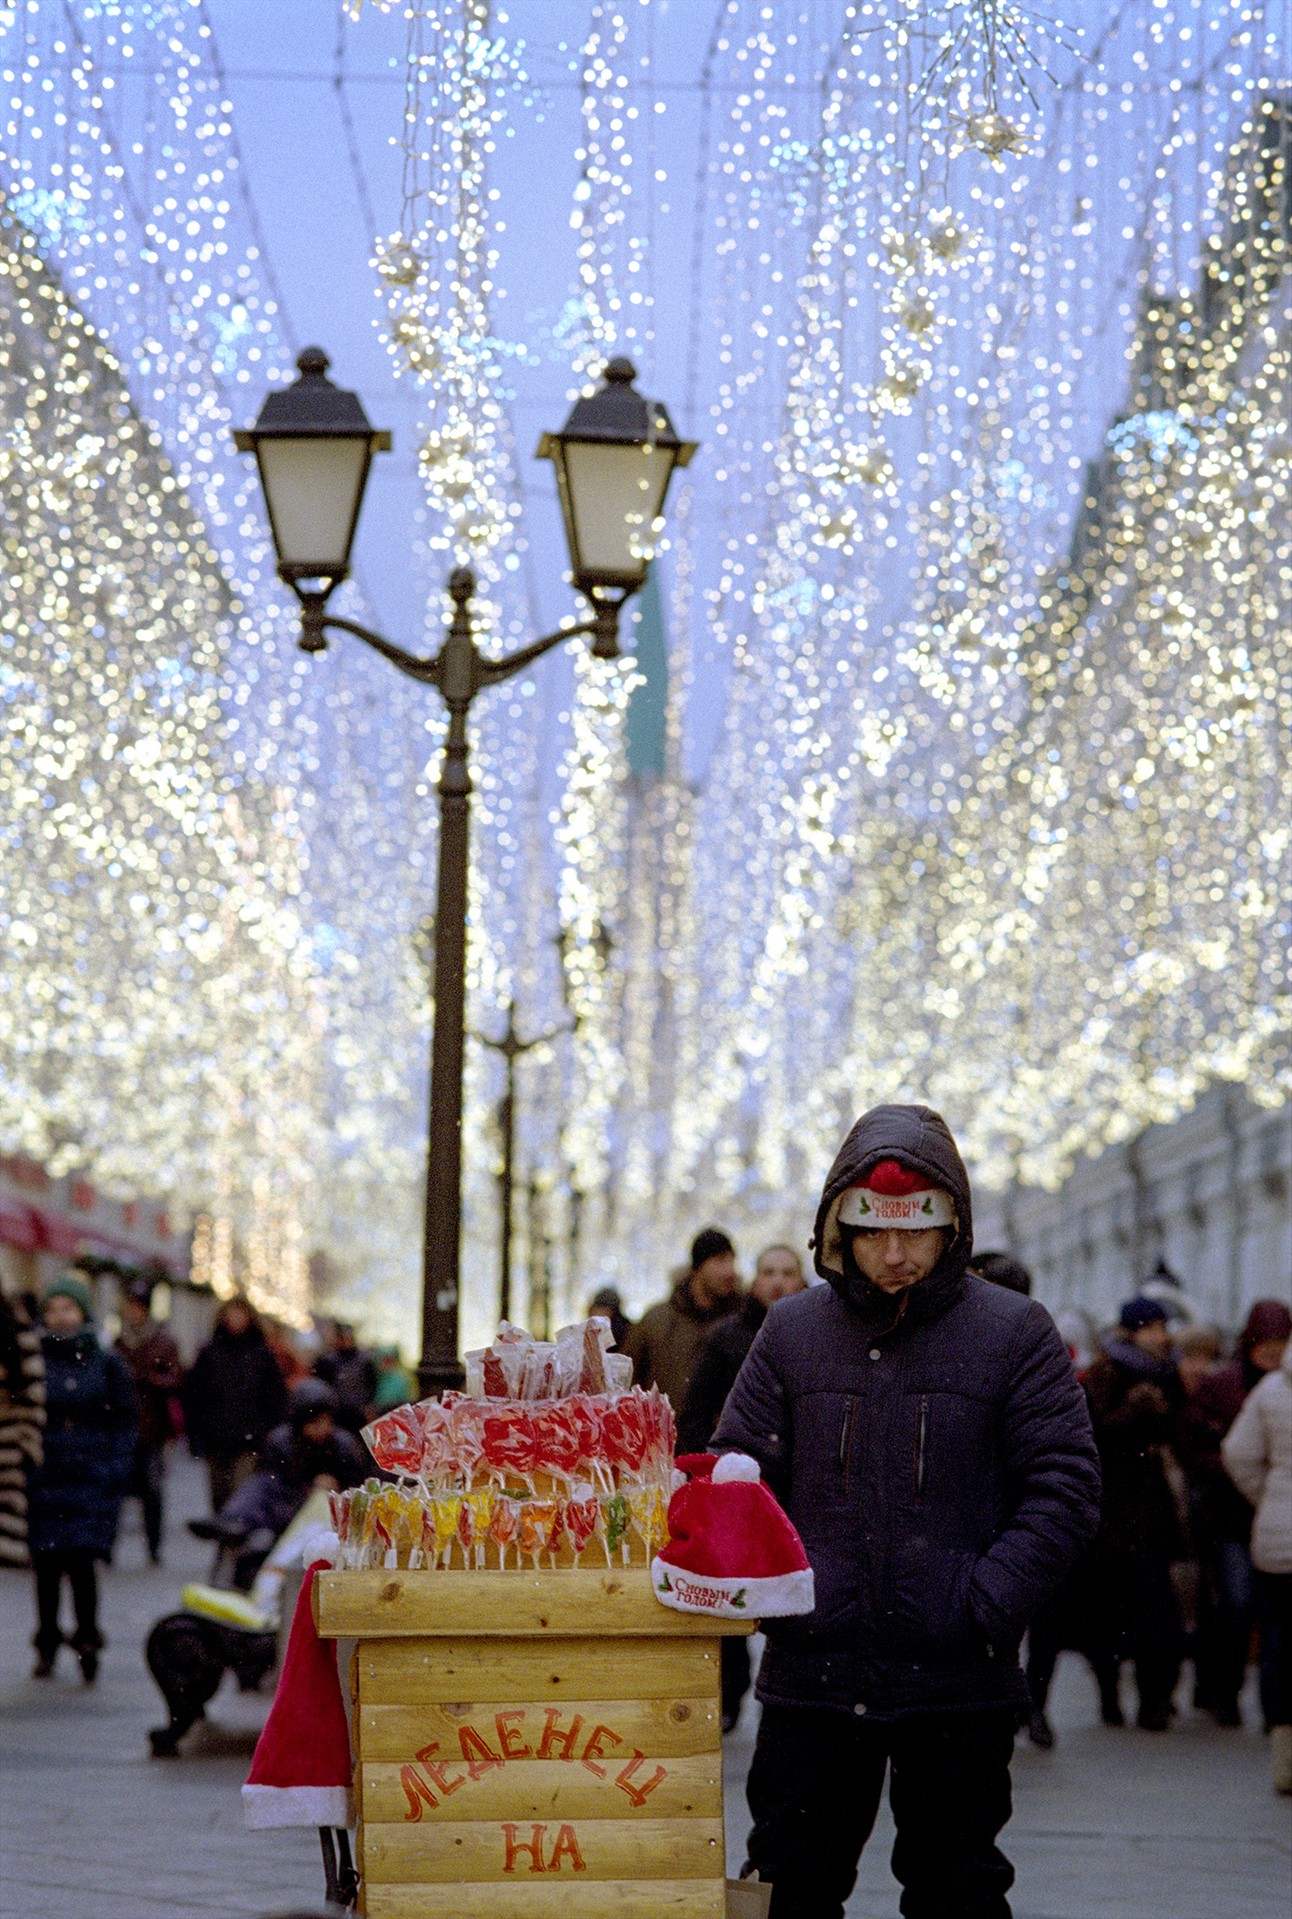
x: 735, y: 1466
x: 772, y: 1598
x: 910, y: 1212
x: 266, y: 1806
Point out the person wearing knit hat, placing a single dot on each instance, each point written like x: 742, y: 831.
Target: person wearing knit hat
x: 74, y: 1495
x: 926, y: 1437
x: 1129, y: 1599
x: 666, y: 1342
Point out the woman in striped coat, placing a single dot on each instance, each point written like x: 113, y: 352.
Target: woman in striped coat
x: 22, y: 1416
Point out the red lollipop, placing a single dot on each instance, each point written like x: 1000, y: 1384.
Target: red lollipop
x: 395, y: 1440
x: 509, y: 1441
x: 558, y: 1439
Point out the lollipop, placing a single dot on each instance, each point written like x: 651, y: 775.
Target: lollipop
x: 557, y: 1437
x: 617, y: 1517
x: 437, y: 1462
x: 425, y: 1552
x: 537, y: 1525
x: 444, y: 1513
x: 503, y: 1525
x: 478, y: 1507
x: 395, y: 1440
x: 508, y: 1440
x: 582, y: 1512
x: 466, y: 1420
x: 649, y: 1517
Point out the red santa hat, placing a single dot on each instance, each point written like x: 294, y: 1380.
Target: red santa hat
x: 302, y: 1773
x: 896, y: 1195
x: 731, y: 1552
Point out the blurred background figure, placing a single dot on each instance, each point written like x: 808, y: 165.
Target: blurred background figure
x: 609, y: 1305
x: 668, y: 1339
x: 74, y: 1495
x: 154, y: 1364
x: 1257, y: 1452
x: 1128, y: 1592
x: 1002, y: 1269
x: 1220, y: 1518
x: 395, y: 1384
x: 22, y: 1421
x: 232, y: 1395
x: 349, y: 1371
x: 308, y: 1452
x: 778, y: 1273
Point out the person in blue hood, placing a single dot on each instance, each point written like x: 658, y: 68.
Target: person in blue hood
x: 925, y: 1432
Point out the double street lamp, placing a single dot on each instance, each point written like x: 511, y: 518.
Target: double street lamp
x: 614, y: 458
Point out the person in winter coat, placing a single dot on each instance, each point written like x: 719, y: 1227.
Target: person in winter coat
x: 1257, y: 1451
x: 233, y: 1395
x: 1220, y: 1518
x: 1131, y: 1609
x: 154, y: 1362
x: 395, y: 1384
x: 351, y: 1374
x: 777, y: 1273
x: 74, y: 1496
x: 607, y: 1303
x: 307, y: 1451
x: 925, y: 1433
x: 668, y: 1339
x: 22, y: 1421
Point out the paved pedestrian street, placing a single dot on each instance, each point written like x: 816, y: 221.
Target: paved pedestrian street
x: 1124, y: 1825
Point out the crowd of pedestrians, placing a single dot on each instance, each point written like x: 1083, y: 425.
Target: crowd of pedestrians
x: 963, y: 1478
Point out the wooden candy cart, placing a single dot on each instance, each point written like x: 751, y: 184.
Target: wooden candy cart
x: 539, y: 1745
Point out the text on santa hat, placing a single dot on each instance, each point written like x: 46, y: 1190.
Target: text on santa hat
x: 904, y: 1206
x: 433, y: 1776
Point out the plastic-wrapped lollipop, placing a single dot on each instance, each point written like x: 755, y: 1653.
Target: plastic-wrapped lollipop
x: 466, y: 1420
x: 538, y: 1381
x: 616, y: 1517
x: 537, y: 1523
x: 479, y: 1507
x: 557, y: 1439
x: 649, y: 1517
x: 623, y: 1432
x: 508, y: 1442
x: 445, y: 1510
x: 581, y: 1413
x: 437, y: 1462
x: 582, y: 1513
x: 503, y: 1525
x: 395, y: 1440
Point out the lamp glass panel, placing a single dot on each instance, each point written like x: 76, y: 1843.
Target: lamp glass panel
x: 616, y: 494
x: 312, y: 488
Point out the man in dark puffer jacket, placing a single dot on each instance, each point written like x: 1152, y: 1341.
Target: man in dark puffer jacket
x: 927, y: 1436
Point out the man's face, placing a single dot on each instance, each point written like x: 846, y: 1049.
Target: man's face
x: 894, y: 1259
x: 235, y: 1318
x: 134, y: 1311
x: 1153, y: 1339
x: 715, y: 1278
x: 318, y: 1430
x: 778, y: 1274
x: 1267, y: 1354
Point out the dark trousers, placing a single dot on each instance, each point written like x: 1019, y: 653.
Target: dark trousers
x: 1225, y: 1604
x: 1274, y: 1622
x: 735, y: 1676
x: 1140, y: 1620
x: 78, y: 1567
x: 814, y: 1790
x: 146, y: 1486
x: 225, y: 1472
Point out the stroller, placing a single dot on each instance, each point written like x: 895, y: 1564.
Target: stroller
x: 229, y: 1625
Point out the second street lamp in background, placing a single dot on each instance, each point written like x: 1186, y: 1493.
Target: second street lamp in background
x: 614, y: 458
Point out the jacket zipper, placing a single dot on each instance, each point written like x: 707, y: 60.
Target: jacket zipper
x: 845, y: 1440
x: 921, y: 1438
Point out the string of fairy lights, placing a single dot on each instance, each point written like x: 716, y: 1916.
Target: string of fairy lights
x: 987, y: 329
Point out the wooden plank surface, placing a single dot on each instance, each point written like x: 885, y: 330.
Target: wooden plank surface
x: 560, y: 1897
x: 665, y: 1728
x: 366, y: 1605
x: 542, y: 1789
x: 466, y: 1852
x: 418, y: 1672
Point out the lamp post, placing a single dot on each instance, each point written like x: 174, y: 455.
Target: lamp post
x: 614, y: 458
x: 512, y: 1048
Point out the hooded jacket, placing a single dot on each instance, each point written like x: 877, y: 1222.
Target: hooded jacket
x: 666, y: 1343
x: 1257, y: 1452
x: 934, y: 1452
